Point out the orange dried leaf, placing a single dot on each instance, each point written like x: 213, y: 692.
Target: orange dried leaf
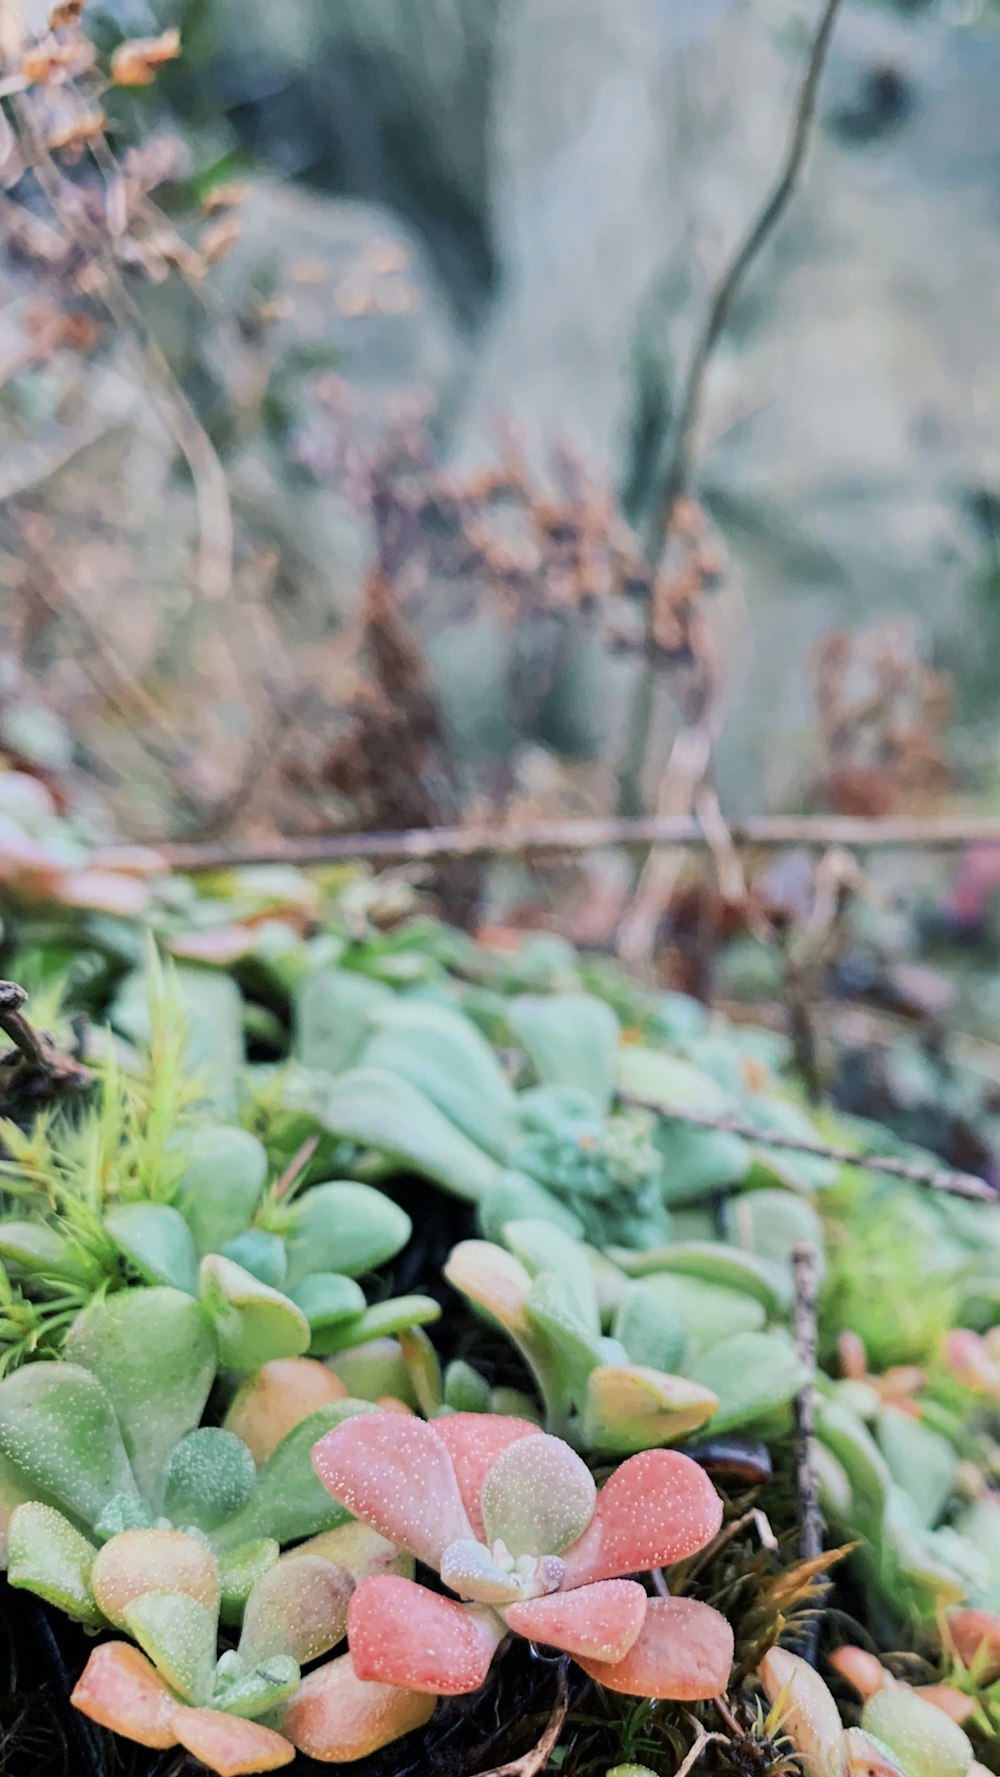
x: 135, y: 62
x: 120, y: 1690
x: 229, y: 1745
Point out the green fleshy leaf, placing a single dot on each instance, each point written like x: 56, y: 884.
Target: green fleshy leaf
x: 290, y: 1501
x: 298, y: 1607
x: 538, y: 1497
x: 263, y: 1255
x: 465, y: 1390
x: 709, y: 1312
x: 571, y: 1040
x: 253, y: 1323
x: 37, y: 1250
x: 632, y: 1407
x: 153, y: 1351
x: 541, y: 1248
x: 344, y: 1227
x: 157, y: 1241
x: 550, y: 1311
x: 380, y: 1110
x: 332, y: 1009
x: 782, y: 1116
x: 725, y: 1266
x: 515, y: 1197
x: 424, y: 1369
x: 45, y: 1555
x: 374, y: 1368
x: 919, y: 1460
x: 60, y: 1439
x: 752, y: 1375
x: 239, y: 1571
x: 925, y: 1741
x: 770, y: 1223
x: 378, y: 1322
x: 125, y: 1511
x: 257, y: 1690
x: 179, y: 1636
x: 443, y: 1055
x: 221, y: 1185
x: 696, y: 1161
x: 209, y: 1476
x: 327, y: 1300
x: 863, y: 1463
x: 653, y: 1334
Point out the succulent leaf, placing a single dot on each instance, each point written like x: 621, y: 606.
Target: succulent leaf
x: 440, y: 1052
x: 571, y: 1039
x: 653, y: 1334
x: 229, y: 1746
x: 396, y: 1475
x: 344, y: 1227
x: 926, y: 1742
x: 807, y: 1711
x: 153, y: 1353
x: 298, y: 1607
x: 381, y: 1110
x: 179, y: 1636
x: 239, y: 1571
x: 210, y: 1475
x: 60, y: 1439
x: 336, y: 1717
x: 253, y: 1323
x: 270, y: 1403
x: 400, y: 1633
x: 538, y: 1496
x: 141, y: 1561
x: 120, y: 1690
x: 156, y: 1239
x: 657, y: 1508
x: 630, y: 1408
x: 598, y: 1622
x: 47, y: 1556
x: 221, y: 1185
x: 329, y: 1302
x: 752, y: 1376
x: 290, y: 1501
x: 262, y: 1254
x: 684, y: 1651
x: 474, y: 1441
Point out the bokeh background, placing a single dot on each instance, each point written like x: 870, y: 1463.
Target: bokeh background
x: 340, y: 359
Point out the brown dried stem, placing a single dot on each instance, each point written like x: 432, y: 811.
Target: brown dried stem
x: 805, y: 1272
x: 937, y: 1178
x: 485, y: 840
x: 535, y: 1760
x: 37, y: 1049
x: 676, y: 474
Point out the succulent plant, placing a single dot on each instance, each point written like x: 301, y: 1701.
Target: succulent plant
x: 511, y: 1519
x: 672, y: 1358
x: 109, y: 1441
x: 274, y: 1267
x: 902, y: 1734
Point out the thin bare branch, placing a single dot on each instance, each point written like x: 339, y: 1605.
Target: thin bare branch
x: 805, y: 1271
x: 936, y: 1178
x: 37, y: 1049
x: 539, y: 838
x: 535, y: 1760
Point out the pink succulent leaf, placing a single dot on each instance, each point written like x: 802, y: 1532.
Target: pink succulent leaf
x: 229, y: 1745
x: 120, y: 1689
x: 538, y: 1496
x: 684, y: 1651
x: 598, y: 1622
x: 395, y: 1474
x: 474, y: 1441
x: 809, y: 1715
x: 335, y: 1716
x: 139, y: 1561
x: 469, y: 1569
x: 658, y: 1507
x: 298, y: 1607
x: 401, y: 1634
x: 975, y: 1635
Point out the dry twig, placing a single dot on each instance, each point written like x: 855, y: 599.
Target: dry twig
x: 540, y: 838
x: 35, y: 1047
x: 676, y: 474
x: 532, y: 1762
x: 805, y: 1270
x: 937, y: 1178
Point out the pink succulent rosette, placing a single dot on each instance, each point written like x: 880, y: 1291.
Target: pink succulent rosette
x: 513, y: 1522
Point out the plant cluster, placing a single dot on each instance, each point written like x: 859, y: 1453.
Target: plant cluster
x: 308, y: 1508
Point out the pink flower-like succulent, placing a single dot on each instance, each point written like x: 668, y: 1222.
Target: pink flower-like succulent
x: 513, y: 1522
